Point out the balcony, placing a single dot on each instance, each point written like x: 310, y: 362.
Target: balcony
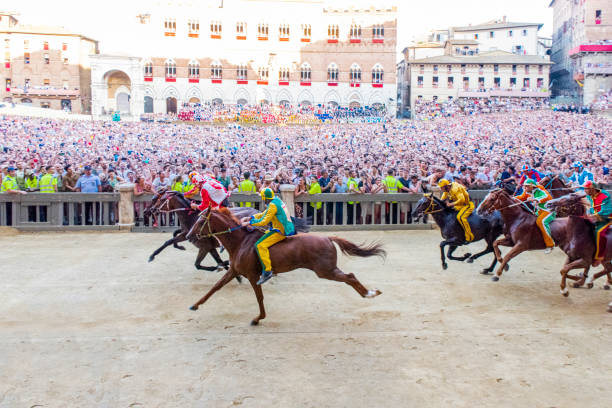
x: 355, y: 40
x: 355, y: 84
x: 194, y: 80
x: 332, y: 41
x: 378, y: 40
x: 45, y: 91
x: 148, y: 78
x: 305, y: 39
x: 332, y: 83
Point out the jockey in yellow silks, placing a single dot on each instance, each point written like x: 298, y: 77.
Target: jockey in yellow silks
x: 282, y: 227
x: 460, y: 200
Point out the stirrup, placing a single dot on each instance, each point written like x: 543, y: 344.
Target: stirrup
x: 265, y: 276
x: 548, y: 250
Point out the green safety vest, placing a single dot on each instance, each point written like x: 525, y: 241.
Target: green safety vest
x: 46, y: 183
x: 247, y: 186
x: 31, y: 183
x: 9, y: 183
x: 352, y: 182
x: 315, y: 188
x: 178, y: 186
x: 392, y: 184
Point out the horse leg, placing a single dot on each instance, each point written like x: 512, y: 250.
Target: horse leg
x: 348, y: 278
x: 220, y: 283
x: 201, y: 255
x: 161, y: 248
x: 260, y: 297
x: 174, y: 234
x: 449, y: 254
x: 221, y: 264
x: 605, y: 271
x: 488, y: 270
x: 442, y: 245
x: 514, y: 251
x: 505, y: 241
x: 581, y: 279
x: 578, y: 263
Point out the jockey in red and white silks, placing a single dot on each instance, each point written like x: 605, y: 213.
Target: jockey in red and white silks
x: 212, y: 192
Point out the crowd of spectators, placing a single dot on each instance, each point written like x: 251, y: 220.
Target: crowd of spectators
x: 427, y: 110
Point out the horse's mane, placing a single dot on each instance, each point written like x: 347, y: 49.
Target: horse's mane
x: 523, y: 207
x: 178, y: 195
x: 226, y: 211
x: 440, y: 202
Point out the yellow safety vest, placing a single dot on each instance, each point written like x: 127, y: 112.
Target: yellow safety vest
x: 46, y: 183
x: 247, y: 186
x: 352, y: 182
x: 9, y: 183
x: 31, y: 183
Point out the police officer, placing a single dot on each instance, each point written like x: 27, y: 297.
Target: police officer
x: 393, y: 186
x: 247, y: 186
x: 10, y: 186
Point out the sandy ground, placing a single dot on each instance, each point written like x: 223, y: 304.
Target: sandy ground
x: 85, y: 321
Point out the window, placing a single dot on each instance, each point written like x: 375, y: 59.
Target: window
x: 496, y: 68
x: 65, y: 84
x: 481, y: 82
x: 419, y: 81
x: 355, y: 33
x: 241, y: 72
x: 451, y: 82
x: 435, y: 69
x: 46, y: 46
x: 26, y: 45
x: 496, y: 82
x: 512, y: 82
x: 377, y: 74
x: 378, y: 31
x: 26, y: 57
x: 463, y: 68
x: 215, y: 29
x: 46, y: 82
x: 64, y: 47
x: 526, y: 83
x: 434, y: 82
x: 332, y: 72
x: 193, y: 69
x: 148, y: 69
x: 241, y: 30
x: 355, y: 74
x: 540, y: 69
x: 510, y: 34
x: 480, y: 68
x: 527, y: 69
x: 46, y: 58
x: 170, y: 68
x: 65, y: 60
x: 449, y: 68
x: 333, y: 32
x: 262, y: 31
x: 540, y: 83
x: 491, y: 34
x: 8, y: 84
x: 513, y: 69
x: 193, y: 26
x: 216, y: 70
x: 170, y: 27
x: 283, y: 32
x: 305, y: 72
x: 475, y: 36
x: 597, y: 16
x: 306, y: 32
x: 283, y: 74
x: 524, y: 33
x: 466, y: 83
x: 262, y: 74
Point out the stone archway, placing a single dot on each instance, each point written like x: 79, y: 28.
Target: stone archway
x: 171, y: 105
x: 118, y: 91
x: 148, y: 104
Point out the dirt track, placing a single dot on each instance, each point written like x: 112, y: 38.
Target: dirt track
x: 85, y: 321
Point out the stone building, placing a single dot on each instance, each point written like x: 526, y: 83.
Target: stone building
x: 235, y: 51
x: 581, y: 49
x: 45, y: 66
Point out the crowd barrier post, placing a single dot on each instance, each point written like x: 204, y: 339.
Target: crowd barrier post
x: 126, y: 206
x: 287, y: 193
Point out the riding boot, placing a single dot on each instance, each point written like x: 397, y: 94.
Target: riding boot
x: 265, y: 276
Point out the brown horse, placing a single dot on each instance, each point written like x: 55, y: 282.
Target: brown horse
x: 575, y: 204
x: 555, y: 186
x: 308, y: 251
x: 573, y: 234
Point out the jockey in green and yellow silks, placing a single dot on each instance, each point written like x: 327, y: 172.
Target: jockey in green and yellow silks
x: 600, y: 213
x: 282, y: 227
x: 539, y: 196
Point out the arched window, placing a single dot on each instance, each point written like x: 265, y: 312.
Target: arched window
x: 283, y: 31
x: 170, y: 68
x: 332, y: 72
x: 306, y: 31
x: 148, y: 69
x: 263, y: 72
x: 305, y: 72
x: 378, y: 31
x: 283, y: 74
x: 262, y: 31
x: 241, y: 30
x: 241, y: 72
x: 355, y: 32
x: 193, y: 69
x: 216, y: 70
x: 333, y: 32
x: 215, y: 29
x: 377, y: 74
x: 355, y: 74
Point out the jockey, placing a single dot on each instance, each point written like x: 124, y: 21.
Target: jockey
x: 211, y: 191
x: 461, y: 202
x: 539, y: 195
x: 580, y: 175
x: 600, y: 214
x: 529, y: 173
x: 282, y: 227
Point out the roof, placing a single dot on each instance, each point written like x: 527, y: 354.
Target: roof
x: 462, y: 41
x: 495, y: 26
x: 493, y: 57
x: 43, y: 30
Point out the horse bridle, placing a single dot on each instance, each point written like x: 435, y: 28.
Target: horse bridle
x: 431, y: 206
x: 167, y: 196
x: 212, y: 234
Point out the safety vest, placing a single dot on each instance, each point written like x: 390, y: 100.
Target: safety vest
x: 353, y: 183
x: 391, y: 183
x: 247, y: 186
x: 178, y: 186
x: 46, y: 183
x: 9, y: 183
x: 32, y: 183
x: 315, y: 188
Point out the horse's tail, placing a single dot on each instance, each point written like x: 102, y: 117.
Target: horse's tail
x: 349, y: 248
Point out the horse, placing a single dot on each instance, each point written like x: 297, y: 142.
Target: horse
x: 174, y: 202
x: 555, y: 185
x: 574, y: 204
x: 309, y: 251
x: 487, y: 228
x: 573, y: 235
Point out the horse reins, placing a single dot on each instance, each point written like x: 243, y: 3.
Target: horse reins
x: 432, y: 202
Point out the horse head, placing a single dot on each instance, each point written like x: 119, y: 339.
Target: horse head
x: 569, y: 204
x: 211, y: 222
x: 428, y: 204
x: 509, y: 186
x: 496, y: 199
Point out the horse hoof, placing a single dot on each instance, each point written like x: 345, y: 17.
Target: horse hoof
x: 151, y: 259
x: 565, y: 292
x: 373, y: 293
x: 182, y: 248
x: 444, y: 266
x: 254, y: 322
x: 576, y: 285
x: 590, y: 285
x: 194, y: 308
x: 606, y: 287
x: 469, y: 260
x: 485, y: 272
x: 507, y: 268
x: 467, y: 256
x: 494, y: 278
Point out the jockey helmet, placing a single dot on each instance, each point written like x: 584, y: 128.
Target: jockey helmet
x: 192, y: 175
x: 267, y: 194
x: 531, y: 182
x: 197, y: 179
x: 589, y: 184
x: 443, y: 183
x: 525, y: 167
x: 577, y: 165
